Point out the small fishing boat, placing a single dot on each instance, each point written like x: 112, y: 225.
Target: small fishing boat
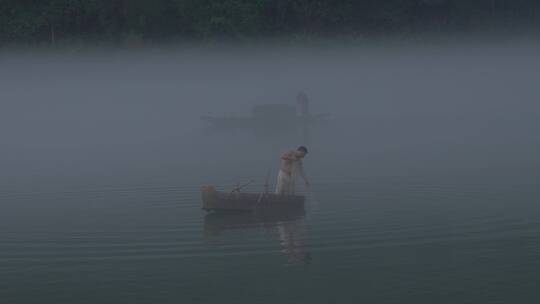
x: 235, y: 200
x: 268, y: 118
x: 265, y: 116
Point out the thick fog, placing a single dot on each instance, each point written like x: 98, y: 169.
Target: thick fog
x: 136, y: 115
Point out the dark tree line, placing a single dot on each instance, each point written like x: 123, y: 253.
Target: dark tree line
x: 38, y: 21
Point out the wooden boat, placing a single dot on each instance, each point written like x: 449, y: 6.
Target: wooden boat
x: 214, y: 200
x: 277, y: 117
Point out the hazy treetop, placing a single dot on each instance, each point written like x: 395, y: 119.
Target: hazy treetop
x: 146, y: 21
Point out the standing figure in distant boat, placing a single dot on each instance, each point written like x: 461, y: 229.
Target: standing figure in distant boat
x: 303, y: 104
x: 291, y: 166
x: 303, y: 107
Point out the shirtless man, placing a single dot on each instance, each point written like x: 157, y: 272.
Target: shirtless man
x: 291, y: 166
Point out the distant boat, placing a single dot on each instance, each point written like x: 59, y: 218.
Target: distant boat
x: 213, y: 200
x: 267, y: 117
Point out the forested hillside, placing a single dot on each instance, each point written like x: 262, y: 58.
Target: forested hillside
x: 50, y: 21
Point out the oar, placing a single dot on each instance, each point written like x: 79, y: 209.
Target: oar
x: 238, y: 188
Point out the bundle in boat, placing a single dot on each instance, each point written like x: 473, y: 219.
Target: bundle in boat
x: 214, y: 200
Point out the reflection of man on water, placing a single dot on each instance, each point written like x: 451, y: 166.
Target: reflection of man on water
x: 291, y: 166
x: 292, y: 246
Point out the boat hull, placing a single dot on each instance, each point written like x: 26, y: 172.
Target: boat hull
x: 213, y: 200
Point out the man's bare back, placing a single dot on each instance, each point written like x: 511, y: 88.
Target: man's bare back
x: 288, y: 160
x: 291, y: 166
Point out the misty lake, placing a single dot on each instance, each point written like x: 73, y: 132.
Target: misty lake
x: 425, y: 181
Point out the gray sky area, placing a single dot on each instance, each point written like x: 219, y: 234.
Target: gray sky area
x: 393, y: 109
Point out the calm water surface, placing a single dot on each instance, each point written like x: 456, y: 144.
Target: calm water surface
x: 444, y: 238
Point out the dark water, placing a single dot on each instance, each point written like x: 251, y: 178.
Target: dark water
x: 444, y: 238
x: 425, y: 184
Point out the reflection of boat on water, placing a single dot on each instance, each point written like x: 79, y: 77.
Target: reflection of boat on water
x: 218, y: 222
x: 285, y: 221
x: 270, y: 118
x: 264, y: 202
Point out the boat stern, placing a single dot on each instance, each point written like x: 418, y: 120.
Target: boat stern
x: 209, y: 196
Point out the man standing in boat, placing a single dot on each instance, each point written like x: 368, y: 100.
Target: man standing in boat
x: 291, y: 167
